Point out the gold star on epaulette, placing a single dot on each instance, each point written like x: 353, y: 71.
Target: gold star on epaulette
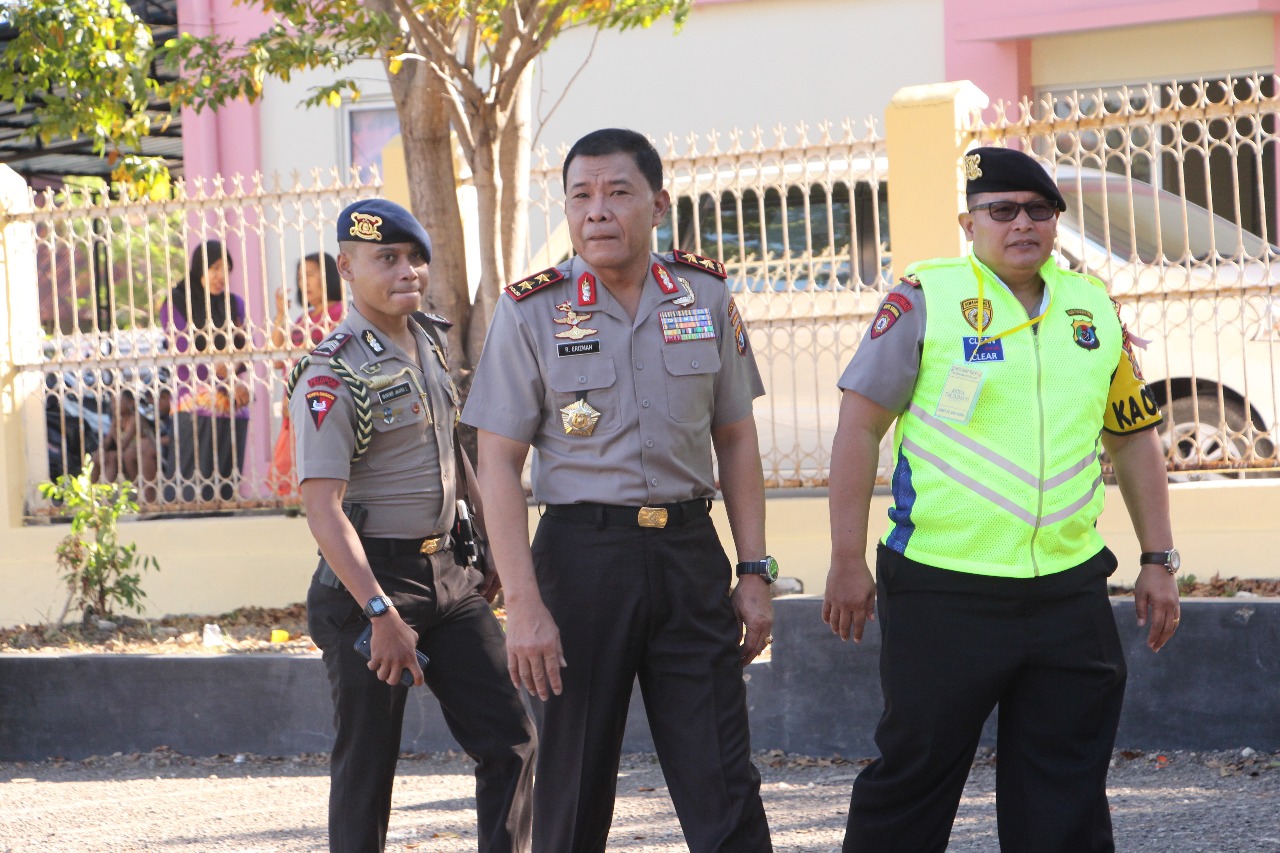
x: 525, y: 286
x: 698, y: 262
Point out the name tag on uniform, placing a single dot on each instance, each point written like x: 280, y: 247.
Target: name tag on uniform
x: 395, y: 392
x: 578, y: 348
x: 688, y: 324
x: 959, y: 393
x: 990, y: 351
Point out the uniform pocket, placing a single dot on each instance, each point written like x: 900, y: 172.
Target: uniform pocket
x: 591, y: 377
x: 400, y: 433
x: 691, y: 372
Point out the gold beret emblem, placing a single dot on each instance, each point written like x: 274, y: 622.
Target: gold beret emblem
x: 972, y: 167
x: 365, y: 226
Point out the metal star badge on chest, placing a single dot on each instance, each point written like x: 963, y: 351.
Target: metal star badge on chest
x: 579, y: 418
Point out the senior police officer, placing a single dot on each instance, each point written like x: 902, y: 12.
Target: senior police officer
x: 1003, y: 372
x: 623, y: 368
x: 375, y: 410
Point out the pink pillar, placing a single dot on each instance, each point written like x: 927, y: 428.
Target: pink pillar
x: 227, y: 143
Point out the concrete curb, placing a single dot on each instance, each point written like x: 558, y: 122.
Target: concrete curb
x: 1216, y: 686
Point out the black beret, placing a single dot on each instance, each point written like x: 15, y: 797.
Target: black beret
x: 1002, y: 170
x: 376, y: 220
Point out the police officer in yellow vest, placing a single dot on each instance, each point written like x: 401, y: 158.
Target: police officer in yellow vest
x: 1007, y: 376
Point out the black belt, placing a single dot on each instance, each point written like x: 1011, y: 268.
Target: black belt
x: 374, y: 547
x: 387, y: 548
x: 656, y: 516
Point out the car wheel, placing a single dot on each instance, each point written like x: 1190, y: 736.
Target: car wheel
x: 1193, y: 433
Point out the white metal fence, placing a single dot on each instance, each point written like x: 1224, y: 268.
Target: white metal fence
x: 190, y: 413
x: 1171, y: 193
x: 1172, y: 200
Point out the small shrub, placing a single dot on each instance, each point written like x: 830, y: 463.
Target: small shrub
x: 100, y: 572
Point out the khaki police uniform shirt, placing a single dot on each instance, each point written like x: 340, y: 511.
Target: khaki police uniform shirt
x: 885, y: 366
x: 406, y: 478
x: 659, y: 392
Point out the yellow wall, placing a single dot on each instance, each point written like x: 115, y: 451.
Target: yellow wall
x: 213, y: 565
x: 1179, y: 50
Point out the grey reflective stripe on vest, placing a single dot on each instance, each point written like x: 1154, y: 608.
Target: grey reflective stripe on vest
x: 1079, y: 504
x: 968, y: 482
x: 941, y: 426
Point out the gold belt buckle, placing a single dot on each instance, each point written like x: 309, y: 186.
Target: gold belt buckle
x: 652, y: 516
x: 430, y: 546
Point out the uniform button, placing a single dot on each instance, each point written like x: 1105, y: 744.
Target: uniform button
x: 649, y: 443
x: 653, y: 482
x: 695, y: 364
x: 639, y: 365
x: 644, y: 403
x: 582, y: 379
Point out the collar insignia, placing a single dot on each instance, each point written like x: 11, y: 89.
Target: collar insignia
x: 372, y: 340
x: 664, y: 280
x: 587, y: 290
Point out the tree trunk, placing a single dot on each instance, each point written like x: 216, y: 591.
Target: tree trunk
x: 486, y: 126
x: 433, y: 193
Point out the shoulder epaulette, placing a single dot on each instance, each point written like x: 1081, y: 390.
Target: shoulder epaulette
x: 438, y: 320
x: 911, y: 280
x: 525, y: 286
x: 698, y: 262
x: 330, y: 345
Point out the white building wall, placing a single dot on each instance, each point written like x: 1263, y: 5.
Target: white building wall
x: 735, y: 64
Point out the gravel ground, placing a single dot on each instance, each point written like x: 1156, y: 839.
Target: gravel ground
x: 1180, y: 801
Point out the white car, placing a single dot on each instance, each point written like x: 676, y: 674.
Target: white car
x: 1205, y: 293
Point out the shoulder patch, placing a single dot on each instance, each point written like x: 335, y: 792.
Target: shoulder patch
x: 525, y: 286
x: 912, y: 280
x: 698, y: 262
x: 332, y: 344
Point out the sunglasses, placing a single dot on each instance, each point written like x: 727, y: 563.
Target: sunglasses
x: 1007, y: 211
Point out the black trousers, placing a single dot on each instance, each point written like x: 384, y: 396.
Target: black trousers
x: 954, y: 646
x: 651, y: 603
x: 467, y: 674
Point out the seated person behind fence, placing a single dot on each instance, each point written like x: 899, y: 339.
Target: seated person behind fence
x: 212, y: 405
x: 319, y: 292
x: 128, y: 450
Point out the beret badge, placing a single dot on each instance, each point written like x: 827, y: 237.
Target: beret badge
x: 365, y: 226
x: 972, y: 167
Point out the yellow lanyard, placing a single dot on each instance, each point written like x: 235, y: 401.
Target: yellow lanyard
x: 981, y: 276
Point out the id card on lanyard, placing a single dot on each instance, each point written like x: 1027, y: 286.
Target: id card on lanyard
x: 963, y: 385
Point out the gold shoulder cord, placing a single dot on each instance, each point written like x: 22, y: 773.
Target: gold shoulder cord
x: 359, y: 395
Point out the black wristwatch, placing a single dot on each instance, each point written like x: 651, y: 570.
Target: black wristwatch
x: 766, y: 568
x: 378, y: 606
x: 1171, y: 559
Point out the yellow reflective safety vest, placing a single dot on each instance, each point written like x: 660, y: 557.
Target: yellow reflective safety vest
x: 1014, y: 490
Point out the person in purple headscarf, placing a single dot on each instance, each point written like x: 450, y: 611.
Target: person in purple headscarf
x: 211, y: 405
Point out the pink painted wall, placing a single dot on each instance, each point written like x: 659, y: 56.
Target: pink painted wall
x: 988, y: 41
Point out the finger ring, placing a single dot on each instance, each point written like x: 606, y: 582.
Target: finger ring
x: 1177, y: 619
x: 768, y: 639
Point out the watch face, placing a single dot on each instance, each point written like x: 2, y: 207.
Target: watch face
x: 377, y: 606
x: 771, y: 568
x: 1175, y: 559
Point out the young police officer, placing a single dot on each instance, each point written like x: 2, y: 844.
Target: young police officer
x: 622, y: 368
x: 1002, y: 370
x: 375, y: 411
